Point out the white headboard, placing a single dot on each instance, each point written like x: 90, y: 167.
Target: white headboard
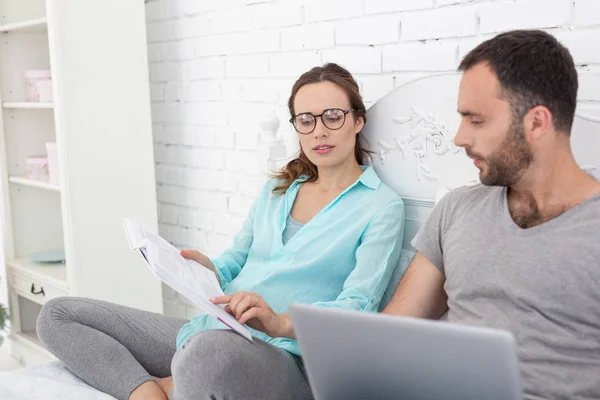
x: 411, y: 130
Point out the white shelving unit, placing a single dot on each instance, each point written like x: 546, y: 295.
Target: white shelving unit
x: 32, y: 25
x: 27, y: 105
x: 33, y: 183
x: 100, y: 120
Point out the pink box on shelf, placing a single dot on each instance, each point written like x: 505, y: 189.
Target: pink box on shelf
x: 39, y: 85
x: 45, y: 91
x: 37, y: 168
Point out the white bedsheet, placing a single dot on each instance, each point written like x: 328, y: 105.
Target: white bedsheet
x: 48, y: 382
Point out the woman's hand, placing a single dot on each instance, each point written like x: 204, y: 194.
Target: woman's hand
x: 250, y: 308
x: 200, y: 258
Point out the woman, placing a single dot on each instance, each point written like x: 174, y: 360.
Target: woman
x: 325, y: 231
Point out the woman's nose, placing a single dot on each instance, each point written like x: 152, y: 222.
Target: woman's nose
x: 320, y: 128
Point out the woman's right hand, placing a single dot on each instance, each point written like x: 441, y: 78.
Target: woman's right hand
x: 200, y: 258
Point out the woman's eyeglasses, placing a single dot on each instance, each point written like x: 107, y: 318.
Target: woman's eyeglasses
x: 332, y: 118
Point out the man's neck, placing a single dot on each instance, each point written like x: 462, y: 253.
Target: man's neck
x: 546, y: 191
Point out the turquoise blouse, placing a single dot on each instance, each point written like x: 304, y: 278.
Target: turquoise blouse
x: 343, y: 257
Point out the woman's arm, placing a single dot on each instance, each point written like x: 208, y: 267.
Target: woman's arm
x: 376, y: 257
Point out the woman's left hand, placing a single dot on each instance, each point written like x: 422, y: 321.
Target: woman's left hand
x: 250, y: 308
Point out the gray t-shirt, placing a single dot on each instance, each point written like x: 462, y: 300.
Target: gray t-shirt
x: 541, y: 283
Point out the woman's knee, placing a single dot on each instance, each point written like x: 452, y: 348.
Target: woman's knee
x: 52, y: 313
x: 221, y: 364
x: 211, y: 356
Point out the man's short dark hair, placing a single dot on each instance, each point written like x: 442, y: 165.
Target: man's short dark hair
x: 533, y: 69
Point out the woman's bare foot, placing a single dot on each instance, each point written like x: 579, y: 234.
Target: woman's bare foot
x: 148, y: 391
x: 166, y: 384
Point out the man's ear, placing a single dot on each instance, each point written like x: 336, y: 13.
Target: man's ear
x: 537, y: 122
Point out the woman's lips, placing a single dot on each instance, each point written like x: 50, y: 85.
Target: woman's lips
x: 323, y: 149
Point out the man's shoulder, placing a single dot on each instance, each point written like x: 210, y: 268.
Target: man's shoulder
x: 476, y: 190
x: 466, y: 197
x: 591, y: 209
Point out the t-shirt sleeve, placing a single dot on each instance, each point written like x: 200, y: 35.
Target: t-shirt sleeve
x: 429, y: 238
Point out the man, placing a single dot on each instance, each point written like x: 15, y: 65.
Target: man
x: 520, y: 252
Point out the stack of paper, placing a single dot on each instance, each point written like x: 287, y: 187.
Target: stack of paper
x: 188, y: 277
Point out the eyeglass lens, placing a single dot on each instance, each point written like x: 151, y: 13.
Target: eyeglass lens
x: 332, y: 119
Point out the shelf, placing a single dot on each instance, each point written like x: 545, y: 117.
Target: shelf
x: 55, y: 274
x: 33, y: 183
x: 27, y: 104
x: 33, y: 25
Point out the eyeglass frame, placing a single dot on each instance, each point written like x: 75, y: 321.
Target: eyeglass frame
x: 323, y: 122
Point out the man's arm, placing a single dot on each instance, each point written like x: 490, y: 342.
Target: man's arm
x: 420, y: 292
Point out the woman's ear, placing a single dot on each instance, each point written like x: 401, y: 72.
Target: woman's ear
x: 359, y: 125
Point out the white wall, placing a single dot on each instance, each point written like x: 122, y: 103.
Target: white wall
x: 218, y: 66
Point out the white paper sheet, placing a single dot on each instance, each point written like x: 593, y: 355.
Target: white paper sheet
x: 188, y: 277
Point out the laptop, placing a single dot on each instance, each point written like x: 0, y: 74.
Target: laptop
x: 356, y: 355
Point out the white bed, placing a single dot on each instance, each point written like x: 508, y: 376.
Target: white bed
x: 49, y: 382
x: 411, y: 129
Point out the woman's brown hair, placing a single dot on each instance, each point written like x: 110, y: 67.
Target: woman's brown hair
x: 302, y: 165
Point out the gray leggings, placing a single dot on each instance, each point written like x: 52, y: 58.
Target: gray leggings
x: 115, y: 349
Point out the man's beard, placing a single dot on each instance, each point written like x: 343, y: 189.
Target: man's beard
x: 509, y: 163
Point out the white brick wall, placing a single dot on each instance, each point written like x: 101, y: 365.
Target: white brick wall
x: 217, y: 67
x: 498, y: 16
x: 587, y: 12
x: 444, y: 22
x: 378, y: 29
